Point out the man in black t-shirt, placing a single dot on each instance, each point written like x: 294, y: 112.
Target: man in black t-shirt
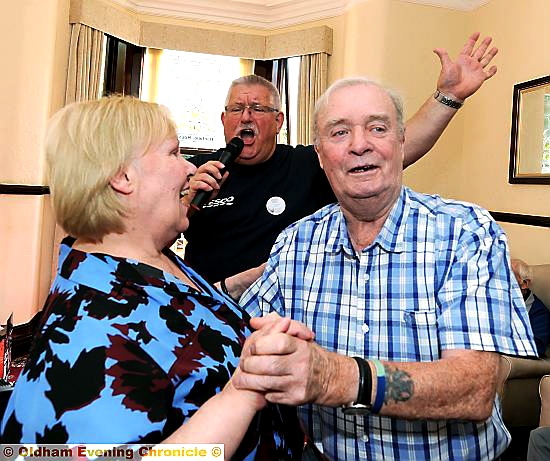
x: 235, y: 231
x: 272, y: 185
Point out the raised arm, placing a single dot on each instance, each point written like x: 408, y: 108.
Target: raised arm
x: 458, y: 80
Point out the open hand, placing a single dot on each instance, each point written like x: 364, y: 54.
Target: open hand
x: 464, y: 76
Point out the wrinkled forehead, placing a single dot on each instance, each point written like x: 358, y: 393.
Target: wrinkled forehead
x: 356, y: 103
x: 250, y: 93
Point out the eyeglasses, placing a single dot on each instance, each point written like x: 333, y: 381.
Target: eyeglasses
x: 258, y: 109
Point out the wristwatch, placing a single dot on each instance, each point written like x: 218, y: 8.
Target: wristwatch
x: 455, y: 104
x: 362, y: 405
x: 356, y: 409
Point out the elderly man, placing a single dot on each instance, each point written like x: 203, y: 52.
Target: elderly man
x: 410, y: 296
x: 539, y: 315
x: 272, y: 186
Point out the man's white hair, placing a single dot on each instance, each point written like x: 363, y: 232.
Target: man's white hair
x: 355, y: 81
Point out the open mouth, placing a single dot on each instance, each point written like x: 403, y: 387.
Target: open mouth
x: 184, y: 192
x: 363, y: 169
x: 246, y: 133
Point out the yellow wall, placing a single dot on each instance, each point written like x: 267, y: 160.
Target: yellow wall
x: 35, y: 40
x: 520, y: 29
x: 389, y: 40
x: 382, y: 39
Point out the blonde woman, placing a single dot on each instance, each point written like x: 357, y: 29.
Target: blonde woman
x: 133, y: 341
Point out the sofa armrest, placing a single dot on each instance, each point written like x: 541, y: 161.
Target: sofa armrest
x: 521, y: 367
x: 518, y: 388
x: 544, y: 392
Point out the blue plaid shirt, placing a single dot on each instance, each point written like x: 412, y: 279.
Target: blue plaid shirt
x: 436, y: 278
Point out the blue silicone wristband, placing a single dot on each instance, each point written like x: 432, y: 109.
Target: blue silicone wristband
x: 380, y: 386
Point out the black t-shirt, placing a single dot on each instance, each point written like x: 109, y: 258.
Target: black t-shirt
x: 236, y: 230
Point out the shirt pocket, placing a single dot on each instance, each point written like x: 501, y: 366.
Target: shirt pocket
x: 421, y: 335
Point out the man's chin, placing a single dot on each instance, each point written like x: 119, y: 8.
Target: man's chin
x: 247, y: 156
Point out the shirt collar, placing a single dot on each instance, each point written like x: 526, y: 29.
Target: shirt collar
x: 529, y: 300
x: 390, y: 238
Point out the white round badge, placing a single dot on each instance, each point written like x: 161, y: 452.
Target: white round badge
x: 275, y: 205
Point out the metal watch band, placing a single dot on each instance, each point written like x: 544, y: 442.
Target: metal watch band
x: 447, y: 101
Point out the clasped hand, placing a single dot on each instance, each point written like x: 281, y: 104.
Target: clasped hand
x: 281, y: 361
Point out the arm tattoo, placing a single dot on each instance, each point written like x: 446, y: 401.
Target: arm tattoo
x: 399, y: 385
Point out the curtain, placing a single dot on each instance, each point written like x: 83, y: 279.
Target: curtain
x: 280, y: 80
x: 313, y: 82
x: 151, y: 71
x: 83, y: 83
x: 247, y: 66
x: 85, y: 63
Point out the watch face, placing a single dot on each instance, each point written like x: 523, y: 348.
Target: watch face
x: 356, y: 410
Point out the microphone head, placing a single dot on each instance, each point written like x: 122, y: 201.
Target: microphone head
x: 236, y: 145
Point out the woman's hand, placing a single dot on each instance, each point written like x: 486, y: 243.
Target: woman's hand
x: 294, y: 328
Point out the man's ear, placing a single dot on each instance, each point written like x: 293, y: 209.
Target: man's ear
x: 280, y: 120
x: 316, y: 147
x: 121, y: 182
x: 525, y: 284
x: 403, y: 146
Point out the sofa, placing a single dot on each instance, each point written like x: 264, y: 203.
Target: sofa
x: 519, y: 390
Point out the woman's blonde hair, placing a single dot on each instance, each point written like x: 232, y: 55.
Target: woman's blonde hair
x: 87, y: 144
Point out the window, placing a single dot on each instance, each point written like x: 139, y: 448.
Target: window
x: 193, y: 86
x: 293, y: 69
x: 123, y: 65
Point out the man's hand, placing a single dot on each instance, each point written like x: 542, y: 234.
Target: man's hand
x: 292, y: 370
x: 294, y: 327
x: 463, y: 77
x: 208, y: 178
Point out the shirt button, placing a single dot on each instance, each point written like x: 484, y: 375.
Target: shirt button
x: 365, y: 328
x: 365, y: 438
x: 366, y: 277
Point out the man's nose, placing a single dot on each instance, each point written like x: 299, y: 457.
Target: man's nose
x: 247, y: 113
x: 360, y: 141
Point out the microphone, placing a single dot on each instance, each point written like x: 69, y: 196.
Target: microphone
x: 227, y: 157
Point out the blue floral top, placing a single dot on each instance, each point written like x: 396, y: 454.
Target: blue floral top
x: 127, y: 353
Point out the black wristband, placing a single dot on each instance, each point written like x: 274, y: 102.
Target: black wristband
x: 365, y: 382
x: 223, y: 286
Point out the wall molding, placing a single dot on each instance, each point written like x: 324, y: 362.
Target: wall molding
x: 525, y: 219
x: 255, y: 14
x: 265, y: 14
x: 23, y: 189
x: 115, y: 20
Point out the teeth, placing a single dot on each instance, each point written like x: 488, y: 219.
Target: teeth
x: 247, y: 132
x: 183, y: 193
x: 360, y: 169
